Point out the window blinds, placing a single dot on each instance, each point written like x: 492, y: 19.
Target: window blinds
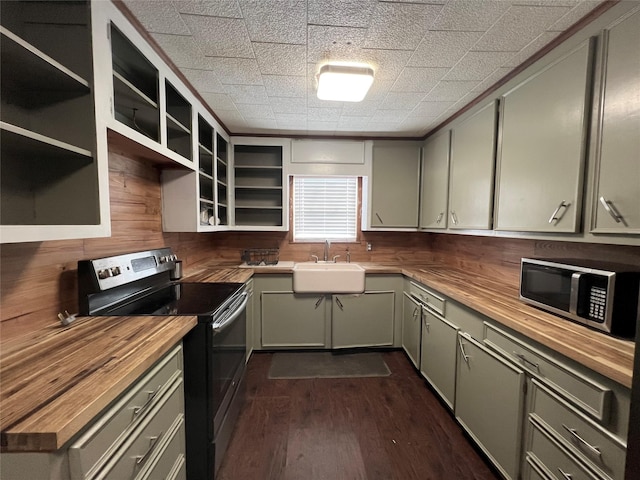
x: 325, y: 208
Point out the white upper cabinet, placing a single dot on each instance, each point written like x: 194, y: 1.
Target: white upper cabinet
x: 435, y: 182
x: 616, y: 203
x: 54, y: 175
x: 395, y: 184
x: 473, y: 149
x: 542, y: 154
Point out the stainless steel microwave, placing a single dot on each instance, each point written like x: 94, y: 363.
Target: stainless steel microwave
x: 601, y: 295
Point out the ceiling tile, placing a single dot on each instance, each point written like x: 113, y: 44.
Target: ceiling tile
x: 430, y: 109
x: 396, y: 26
x: 288, y: 105
x: 217, y: 8
x: 519, y: 26
x: 495, y: 76
x: 406, y: 101
x: 573, y: 15
x: 536, y: 44
x: 414, y: 79
x: 322, y: 126
x: 158, y: 17
x: 218, y: 101
x: 547, y: 3
x: 249, y: 110
x: 183, y: 50
x: 220, y: 37
x: 442, y: 48
x: 281, y: 58
x: 349, y: 13
x: 324, y: 114
x: 477, y: 65
x: 264, y: 123
x: 292, y: 121
x: 230, y: 117
x: 284, y: 21
x: 285, y: 86
x: 203, y: 80
x: 477, y: 15
x: 388, y: 64
x: 449, y: 91
x: 247, y: 94
x: 388, y: 116
x: 353, y: 122
x: 327, y: 43
x: 242, y: 71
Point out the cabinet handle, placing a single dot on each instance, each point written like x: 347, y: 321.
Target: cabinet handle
x: 318, y: 302
x: 575, y: 435
x: 554, y: 215
x: 454, y: 218
x: 439, y: 219
x: 564, y: 474
x: 611, y: 210
x: 526, y: 360
x: 339, y: 303
x: 465, y: 357
x: 415, y: 312
x: 153, y: 441
x: 152, y: 395
x: 379, y: 219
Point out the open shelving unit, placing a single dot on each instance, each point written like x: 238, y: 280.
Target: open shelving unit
x: 258, y: 186
x: 48, y: 145
x: 222, y: 181
x: 178, y: 112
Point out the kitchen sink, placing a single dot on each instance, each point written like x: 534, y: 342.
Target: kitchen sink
x: 328, y: 277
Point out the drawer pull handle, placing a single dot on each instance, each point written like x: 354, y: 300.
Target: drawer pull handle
x: 575, y: 435
x: 564, y: 474
x: 439, y: 219
x: 554, y: 216
x: 415, y: 312
x: 153, y: 441
x: 526, y: 360
x: 454, y: 218
x: 611, y: 210
x: 465, y: 357
x: 380, y: 219
x: 319, y: 302
x: 339, y: 303
x: 152, y: 395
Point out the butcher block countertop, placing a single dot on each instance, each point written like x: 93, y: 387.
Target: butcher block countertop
x: 54, y: 382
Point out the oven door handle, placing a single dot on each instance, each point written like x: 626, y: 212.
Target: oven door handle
x: 223, y: 323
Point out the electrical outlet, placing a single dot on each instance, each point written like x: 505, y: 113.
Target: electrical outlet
x: 369, y: 247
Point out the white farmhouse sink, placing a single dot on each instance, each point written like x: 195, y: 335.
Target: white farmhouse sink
x: 328, y: 278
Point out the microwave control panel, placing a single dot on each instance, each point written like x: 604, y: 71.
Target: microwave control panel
x: 597, y: 303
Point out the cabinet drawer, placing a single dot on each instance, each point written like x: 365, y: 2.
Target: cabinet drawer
x: 585, y: 393
x: 146, y: 441
x: 432, y: 299
x: 554, y: 458
x: 588, y: 440
x: 532, y: 470
x: 171, y: 458
x: 89, y: 453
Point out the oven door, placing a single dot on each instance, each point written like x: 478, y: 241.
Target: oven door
x: 228, y: 340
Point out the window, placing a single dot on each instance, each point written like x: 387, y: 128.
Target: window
x: 325, y: 208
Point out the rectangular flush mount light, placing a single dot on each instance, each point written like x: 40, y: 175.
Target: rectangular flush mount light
x: 344, y: 83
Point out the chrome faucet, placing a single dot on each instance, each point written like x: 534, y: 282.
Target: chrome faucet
x: 327, y: 244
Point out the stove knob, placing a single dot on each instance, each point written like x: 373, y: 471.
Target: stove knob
x: 115, y: 271
x: 102, y: 274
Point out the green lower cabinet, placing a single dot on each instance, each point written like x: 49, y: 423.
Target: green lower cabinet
x: 411, y: 325
x: 294, y: 320
x: 438, y: 357
x: 363, y: 320
x: 489, y: 403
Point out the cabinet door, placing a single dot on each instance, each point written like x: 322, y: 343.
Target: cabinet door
x: 617, y: 202
x: 364, y: 320
x: 395, y: 184
x: 438, y: 358
x: 489, y: 403
x: 541, y: 159
x: 293, y: 320
x: 435, y: 182
x: 411, y: 326
x: 473, y: 148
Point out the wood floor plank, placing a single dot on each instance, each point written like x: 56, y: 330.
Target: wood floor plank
x: 378, y: 428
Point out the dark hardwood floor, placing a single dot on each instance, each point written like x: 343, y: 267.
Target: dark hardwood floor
x: 350, y: 428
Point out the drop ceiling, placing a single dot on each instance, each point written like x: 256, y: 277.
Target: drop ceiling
x: 255, y: 61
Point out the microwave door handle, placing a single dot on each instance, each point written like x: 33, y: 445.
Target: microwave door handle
x: 575, y: 290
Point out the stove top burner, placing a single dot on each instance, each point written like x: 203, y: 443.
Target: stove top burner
x: 179, y: 299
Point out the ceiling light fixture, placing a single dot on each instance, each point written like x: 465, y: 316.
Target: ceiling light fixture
x: 344, y: 83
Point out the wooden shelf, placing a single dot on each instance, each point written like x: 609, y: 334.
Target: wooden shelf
x: 25, y: 142
x: 134, y: 108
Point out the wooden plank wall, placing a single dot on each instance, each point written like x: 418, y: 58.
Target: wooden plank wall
x: 38, y: 279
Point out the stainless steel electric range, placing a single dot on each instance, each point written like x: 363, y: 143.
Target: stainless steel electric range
x: 145, y: 283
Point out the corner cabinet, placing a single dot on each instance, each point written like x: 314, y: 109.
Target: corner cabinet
x: 542, y: 154
x: 393, y: 189
x: 53, y: 147
x: 616, y: 202
x: 260, y: 186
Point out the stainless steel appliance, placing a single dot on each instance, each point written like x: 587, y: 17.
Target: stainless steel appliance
x: 214, y: 351
x: 602, y: 295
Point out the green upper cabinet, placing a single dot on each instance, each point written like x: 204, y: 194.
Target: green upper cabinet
x: 435, y: 182
x: 542, y: 153
x: 473, y: 149
x: 395, y: 185
x: 617, y: 195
